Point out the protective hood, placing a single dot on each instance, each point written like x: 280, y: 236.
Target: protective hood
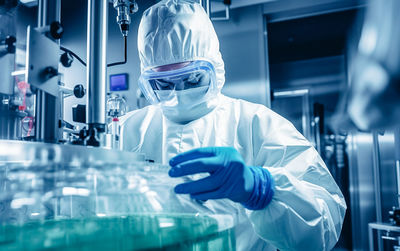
x: 175, y: 31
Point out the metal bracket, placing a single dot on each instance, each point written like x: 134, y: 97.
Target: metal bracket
x: 206, y: 4
x: 42, y: 55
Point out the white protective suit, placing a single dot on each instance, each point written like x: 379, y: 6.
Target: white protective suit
x: 307, y: 210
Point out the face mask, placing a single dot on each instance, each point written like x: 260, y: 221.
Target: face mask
x: 186, y: 105
x: 188, y: 97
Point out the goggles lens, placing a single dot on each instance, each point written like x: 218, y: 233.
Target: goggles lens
x: 196, y: 74
x: 185, y: 81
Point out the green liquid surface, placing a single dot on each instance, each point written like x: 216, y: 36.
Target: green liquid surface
x: 134, y: 232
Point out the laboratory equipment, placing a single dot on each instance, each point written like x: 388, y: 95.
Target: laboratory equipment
x: 43, y: 76
x: 125, y: 8
x: 372, y: 103
x: 116, y: 107
x: 63, y: 197
x: 11, y: 113
x: 119, y: 82
x: 42, y: 72
x: 390, y: 234
x: 7, y: 50
x: 207, y: 5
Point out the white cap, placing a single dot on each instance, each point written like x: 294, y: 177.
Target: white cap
x: 175, y: 31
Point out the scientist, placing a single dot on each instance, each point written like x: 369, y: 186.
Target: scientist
x: 260, y: 168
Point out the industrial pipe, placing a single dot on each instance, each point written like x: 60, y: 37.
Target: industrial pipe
x: 96, y: 63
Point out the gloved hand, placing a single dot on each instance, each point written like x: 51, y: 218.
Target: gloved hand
x: 229, y: 177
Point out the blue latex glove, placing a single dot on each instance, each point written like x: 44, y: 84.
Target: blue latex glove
x: 229, y: 177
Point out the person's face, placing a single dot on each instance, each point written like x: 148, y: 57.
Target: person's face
x: 182, y: 82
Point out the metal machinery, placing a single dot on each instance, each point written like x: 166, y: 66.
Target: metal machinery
x: 42, y: 78
x: 342, y: 92
x: 372, y: 103
x: 11, y: 110
x: 64, y: 192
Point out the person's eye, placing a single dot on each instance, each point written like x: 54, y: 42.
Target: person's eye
x: 202, y: 79
x: 163, y: 85
x: 193, y: 79
x: 191, y: 82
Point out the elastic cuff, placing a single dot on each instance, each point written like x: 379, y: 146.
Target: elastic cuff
x: 263, y: 190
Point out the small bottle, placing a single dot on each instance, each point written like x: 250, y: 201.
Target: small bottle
x: 116, y: 107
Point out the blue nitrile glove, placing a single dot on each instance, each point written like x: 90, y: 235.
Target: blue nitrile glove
x: 229, y: 177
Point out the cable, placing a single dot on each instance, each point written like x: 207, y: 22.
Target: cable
x: 125, y: 54
x: 73, y: 54
x: 109, y: 65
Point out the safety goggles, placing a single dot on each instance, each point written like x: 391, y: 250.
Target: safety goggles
x: 195, y: 74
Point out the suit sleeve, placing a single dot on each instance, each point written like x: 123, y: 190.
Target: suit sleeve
x: 308, y: 208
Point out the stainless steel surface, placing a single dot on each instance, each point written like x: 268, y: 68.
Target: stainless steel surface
x: 42, y: 13
x: 124, y: 9
x: 387, y: 173
x: 372, y: 178
x: 282, y: 10
x: 7, y: 60
x: 10, y: 116
x: 96, y: 61
x: 397, y: 143
x: 325, y: 75
x: 223, y: 18
x: 362, y: 200
x: 40, y: 115
x: 70, y: 130
x: 266, y: 72
x: 315, y: 124
x: 10, y: 120
x: 243, y: 77
x: 67, y: 92
x: 372, y: 182
x: 302, y: 97
x: 47, y: 102
x: 398, y: 181
x: 208, y: 6
x: 377, y: 182
x: 397, y: 157
x: 47, y: 117
x: 218, y: 6
x: 376, y: 168
x: 37, y: 46
x: 48, y: 12
x: 7, y: 63
x: 382, y: 227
